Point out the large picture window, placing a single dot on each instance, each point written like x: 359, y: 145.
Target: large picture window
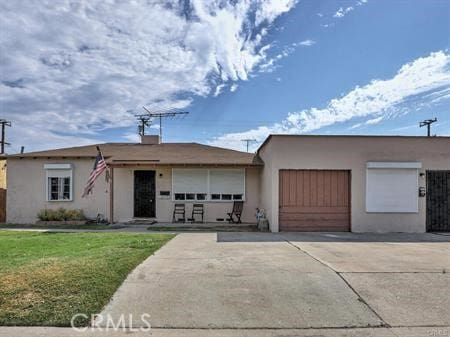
x: 59, y: 182
x: 208, y: 184
x: 392, y: 187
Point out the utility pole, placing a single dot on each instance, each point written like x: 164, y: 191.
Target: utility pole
x: 428, y: 123
x: 4, y: 123
x: 248, y: 141
x: 165, y: 113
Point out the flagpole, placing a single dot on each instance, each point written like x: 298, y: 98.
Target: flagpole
x: 101, y: 153
x: 111, y: 195
x: 108, y: 180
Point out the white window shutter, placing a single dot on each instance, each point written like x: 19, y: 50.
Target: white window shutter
x: 190, y: 180
x: 59, y: 173
x: 392, y: 190
x: 227, y: 181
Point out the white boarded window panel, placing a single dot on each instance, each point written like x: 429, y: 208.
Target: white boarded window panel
x: 190, y: 180
x: 227, y: 181
x: 59, y: 173
x: 392, y: 190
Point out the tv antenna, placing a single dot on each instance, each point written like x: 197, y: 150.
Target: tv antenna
x: 428, y: 123
x: 248, y: 141
x: 144, y: 121
x: 4, y: 123
x: 162, y: 113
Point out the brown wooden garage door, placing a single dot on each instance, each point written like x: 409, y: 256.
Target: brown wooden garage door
x: 314, y: 200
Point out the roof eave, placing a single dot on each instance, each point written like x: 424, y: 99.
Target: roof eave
x: 158, y: 163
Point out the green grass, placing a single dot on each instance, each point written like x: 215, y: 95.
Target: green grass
x: 61, y: 226
x: 45, y: 278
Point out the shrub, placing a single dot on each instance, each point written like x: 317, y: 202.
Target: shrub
x: 43, y: 215
x: 61, y: 214
x: 75, y: 214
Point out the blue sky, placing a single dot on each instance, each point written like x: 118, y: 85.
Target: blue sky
x: 76, y: 73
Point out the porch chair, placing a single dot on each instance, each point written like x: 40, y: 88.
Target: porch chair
x: 237, y: 212
x: 179, y: 209
x: 197, y: 209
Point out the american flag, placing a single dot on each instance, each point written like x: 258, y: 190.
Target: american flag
x: 99, y: 167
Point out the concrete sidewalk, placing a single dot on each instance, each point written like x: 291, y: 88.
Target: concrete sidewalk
x: 358, y: 332
x: 197, y: 282
x: 279, y: 281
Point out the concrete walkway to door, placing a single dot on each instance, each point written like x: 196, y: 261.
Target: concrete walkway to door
x: 290, y: 281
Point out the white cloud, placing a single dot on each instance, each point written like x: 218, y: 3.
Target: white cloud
x: 307, y: 43
x: 219, y: 89
x: 268, y: 10
x: 355, y: 126
x: 80, y: 67
x: 374, y: 121
x: 341, y: 12
x: 234, y: 87
x: 414, y: 80
x: 271, y: 64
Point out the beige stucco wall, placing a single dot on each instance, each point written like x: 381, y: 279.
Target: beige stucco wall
x: 27, y: 192
x: 2, y: 173
x: 352, y: 153
x: 123, y: 196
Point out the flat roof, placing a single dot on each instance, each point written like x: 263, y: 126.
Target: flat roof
x: 349, y: 136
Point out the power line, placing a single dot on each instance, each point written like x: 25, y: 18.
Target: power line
x: 428, y: 123
x: 4, y: 123
x: 248, y: 141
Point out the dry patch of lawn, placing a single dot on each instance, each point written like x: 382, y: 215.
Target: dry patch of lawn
x: 46, y: 278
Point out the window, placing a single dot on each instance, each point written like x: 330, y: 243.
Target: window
x: 201, y: 196
x: 59, y: 182
x: 180, y: 196
x: 392, y: 187
x: 208, y: 184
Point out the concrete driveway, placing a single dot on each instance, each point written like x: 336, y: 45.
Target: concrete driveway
x: 291, y: 281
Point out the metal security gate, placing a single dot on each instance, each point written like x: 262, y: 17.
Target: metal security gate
x: 314, y: 200
x: 144, y: 194
x: 438, y: 201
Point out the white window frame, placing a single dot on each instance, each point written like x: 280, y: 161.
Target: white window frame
x: 48, y: 168
x: 373, y: 166
x: 208, y: 192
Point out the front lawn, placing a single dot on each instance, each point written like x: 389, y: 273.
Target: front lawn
x: 46, y: 278
x: 89, y: 226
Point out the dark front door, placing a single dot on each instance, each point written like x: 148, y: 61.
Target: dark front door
x: 438, y: 201
x: 144, y: 194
